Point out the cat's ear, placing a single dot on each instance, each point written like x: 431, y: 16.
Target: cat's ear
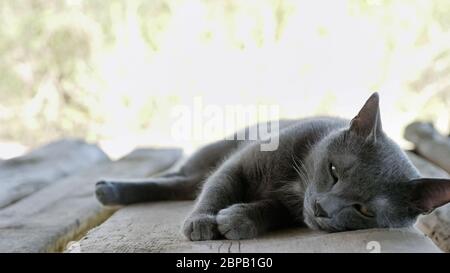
x: 367, y: 123
x: 429, y: 193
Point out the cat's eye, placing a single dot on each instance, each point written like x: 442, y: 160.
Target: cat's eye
x: 363, y: 210
x: 333, y: 173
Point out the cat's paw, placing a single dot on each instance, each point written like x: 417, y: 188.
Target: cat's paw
x: 234, y: 223
x: 107, y: 193
x: 201, y: 227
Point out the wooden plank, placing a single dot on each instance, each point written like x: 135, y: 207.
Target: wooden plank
x: 155, y: 227
x: 435, y: 225
x: 429, y: 143
x: 435, y: 147
x: 22, y: 176
x: 427, y: 168
x: 48, y: 219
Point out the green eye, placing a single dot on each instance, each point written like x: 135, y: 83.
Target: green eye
x: 333, y: 173
x: 363, y: 210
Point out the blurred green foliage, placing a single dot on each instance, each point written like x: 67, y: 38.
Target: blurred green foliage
x: 96, y: 69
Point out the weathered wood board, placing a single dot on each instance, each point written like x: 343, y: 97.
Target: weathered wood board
x: 48, y: 219
x: 155, y: 227
x: 22, y: 176
x: 429, y: 143
x: 436, y: 225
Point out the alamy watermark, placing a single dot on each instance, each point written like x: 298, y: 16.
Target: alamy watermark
x: 199, y: 122
x: 373, y: 247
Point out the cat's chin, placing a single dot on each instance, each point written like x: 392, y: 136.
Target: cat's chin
x: 318, y: 224
x: 311, y: 222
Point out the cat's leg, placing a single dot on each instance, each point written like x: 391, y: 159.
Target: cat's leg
x: 248, y: 220
x: 171, y: 187
x: 180, y: 185
x: 222, y: 189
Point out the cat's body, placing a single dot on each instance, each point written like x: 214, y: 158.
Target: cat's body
x: 243, y: 191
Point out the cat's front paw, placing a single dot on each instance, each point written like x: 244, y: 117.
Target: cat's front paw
x: 200, y: 227
x: 234, y: 223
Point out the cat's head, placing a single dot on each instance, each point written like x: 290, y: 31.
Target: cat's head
x: 359, y: 178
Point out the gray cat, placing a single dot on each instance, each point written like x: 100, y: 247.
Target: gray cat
x: 328, y: 173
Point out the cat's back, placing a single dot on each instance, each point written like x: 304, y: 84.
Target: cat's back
x: 295, y: 136
x: 291, y: 126
x: 287, y: 131
x: 311, y: 128
x: 295, y: 139
x: 298, y: 136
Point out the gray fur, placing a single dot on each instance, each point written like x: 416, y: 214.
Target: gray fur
x: 244, y: 192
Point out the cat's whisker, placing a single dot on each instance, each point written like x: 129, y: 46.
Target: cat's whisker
x: 292, y: 196
x: 299, y: 167
x: 387, y: 220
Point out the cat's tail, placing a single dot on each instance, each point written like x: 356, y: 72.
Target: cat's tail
x: 169, y: 187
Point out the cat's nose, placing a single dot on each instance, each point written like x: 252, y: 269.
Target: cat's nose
x: 319, y: 211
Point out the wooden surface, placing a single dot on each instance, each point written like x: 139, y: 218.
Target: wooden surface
x: 435, y: 148
x: 155, y: 227
x: 57, y: 205
x: 436, y: 225
x: 46, y: 220
x: 46, y: 165
x: 429, y: 143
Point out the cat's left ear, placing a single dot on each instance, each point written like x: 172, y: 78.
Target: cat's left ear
x: 429, y: 193
x: 367, y: 123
